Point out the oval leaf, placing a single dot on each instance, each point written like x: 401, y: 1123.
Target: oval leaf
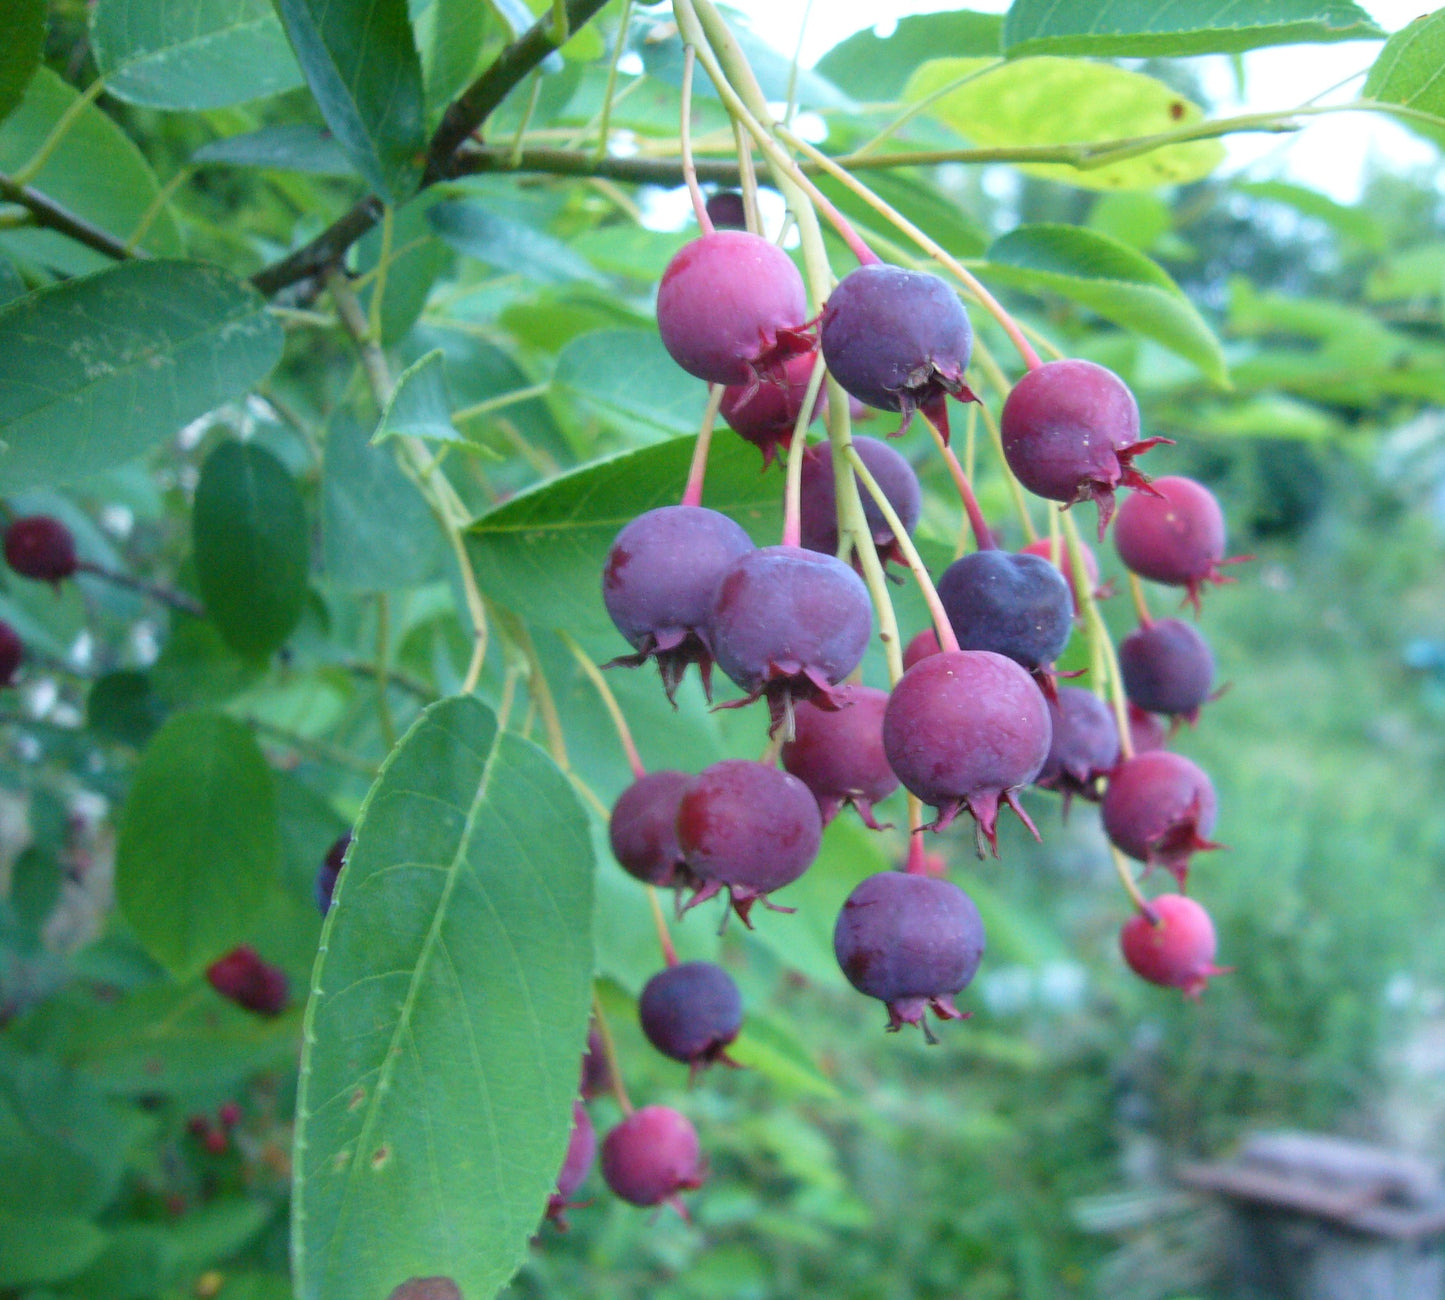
x: 650, y: 394
x: 872, y: 68
x: 96, y: 173
x: 1145, y: 28
x: 189, y: 54
x: 507, y: 245
x: 1046, y: 101
x: 1408, y: 73
x: 249, y: 532
x: 1111, y: 279
x: 199, y: 844
x: 541, y: 553
x: 362, y: 66
x: 447, y: 1017
x: 420, y: 406
x: 20, y: 50
x: 45, y: 1248
x: 106, y: 367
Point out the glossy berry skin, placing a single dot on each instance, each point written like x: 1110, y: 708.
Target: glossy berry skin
x: 1173, y: 534
x: 691, y: 1012
x: 766, y: 414
x: 652, y: 1156
x: 1064, y: 563
x: 726, y: 211
x: 42, y: 548
x: 748, y: 828
x: 964, y: 729
x: 12, y: 654
x: 1013, y: 605
x: 1177, y: 952
x: 643, y: 828
x: 1070, y: 433
x: 1159, y: 809
x: 329, y: 870
x: 1167, y: 668
x: 1146, y: 731
x: 819, y: 502
x: 596, y: 1074
x: 576, y: 1165
x: 1085, y: 745
x: 789, y: 624
x: 899, y: 340
x: 838, y: 753
x: 658, y: 585
x: 731, y: 307
x: 912, y: 942
x: 243, y: 978
x: 922, y: 645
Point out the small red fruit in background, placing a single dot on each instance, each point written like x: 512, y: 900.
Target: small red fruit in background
x: 42, y: 548
x: 243, y: 978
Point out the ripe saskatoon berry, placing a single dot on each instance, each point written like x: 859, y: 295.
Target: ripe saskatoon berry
x: 1167, y: 668
x: 964, y: 730
x: 596, y: 1073
x: 1158, y: 808
x: 838, y: 753
x: 576, y: 1165
x: 726, y: 211
x: 1146, y: 731
x: 819, y: 504
x: 12, y: 654
x: 1085, y: 745
x: 1174, y: 534
x: 1178, y: 952
x: 658, y: 585
x: 651, y: 1156
x: 42, y: 548
x: 643, y: 828
x: 1065, y: 564
x: 731, y: 308
x: 911, y: 941
x: 747, y: 828
x: 1070, y: 433
x: 765, y: 414
x: 923, y: 645
x: 1014, y: 605
x: 243, y: 978
x: 898, y: 340
x: 691, y: 1013
x: 789, y: 624
x: 329, y: 870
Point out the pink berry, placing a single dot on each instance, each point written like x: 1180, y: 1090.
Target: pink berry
x: 1173, y: 534
x: 652, y: 1156
x: 576, y: 1165
x: 838, y: 753
x: 922, y: 645
x: 1159, y: 809
x: 1175, y: 949
x: 766, y: 414
x: 643, y: 828
x: 243, y: 978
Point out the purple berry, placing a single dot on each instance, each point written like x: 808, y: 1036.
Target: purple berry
x: 691, y: 1013
x: 1070, y: 433
x: 1159, y: 809
x: 243, y: 978
x: 12, y: 654
x: 576, y: 1165
x: 1085, y: 745
x: 1146, y: 732
x: 732, y: 307
x: 922, y: 645
x: 820, y: 497
x: 1167, y: 667
x: 1064, y: 563
x: 748, y: 828
x: 1173, y: 534
x: 329, y: 870
x: 41, y: 548
x: 838, y: 753
x: 652, y: 1156
x: 898, y: 340
x: 596, y: 1073
x: 912, y: 942
x: 964, y: 730
x: 658, y: 585
x: 766, y: 414
x: 643, y: 828
x: 1014, y: 605
x: 726, y: 211
x: 789, y: 624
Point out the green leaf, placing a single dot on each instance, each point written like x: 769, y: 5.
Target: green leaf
x: 450, y: 35
x: 97, y: 173
x: 122, y: 706
x: 420, y: 405
x: 1047, y: 101
x: 541, y: 553
x: 362, y: 66
x: 293, y: 147
x: 249, y: 531
x: 198, y: 844
x: 649, y: 394
x: 1345, y: 219
x: 377, y: 532
x: 37, y: 1248
x: 1408, y: 73
x: 1110, y: 279
x: 917, y: 197
x: 20, y: 50
x: 11, y: 285
x: 108, y: 366
x: 415, y: 260
x: 871, y: 67
x: 507, y: 245
x: 1147, y: 29
x: 190, y: 54
x: 1415, y: 273
x: 448, y: 1012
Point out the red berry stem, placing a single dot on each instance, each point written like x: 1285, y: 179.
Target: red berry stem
x: 177, y: 600
x: 982, y: 534
x: 609, y: 1052
x: 664, y: 937
x: 609, y: 702
x: 917, y: 863
x: 1141, y: 605
x: 689, y: 170
x: 697, y: 471
x: 793, y: 492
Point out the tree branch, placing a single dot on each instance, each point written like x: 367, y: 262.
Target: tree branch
x: 48, y: 213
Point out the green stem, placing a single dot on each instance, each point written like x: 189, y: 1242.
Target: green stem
x: 797, y: 449
x: 604, y: 126
x: 383, y: 656
x: 609, y: 702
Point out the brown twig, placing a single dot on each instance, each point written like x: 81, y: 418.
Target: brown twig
x: 50, y: 214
